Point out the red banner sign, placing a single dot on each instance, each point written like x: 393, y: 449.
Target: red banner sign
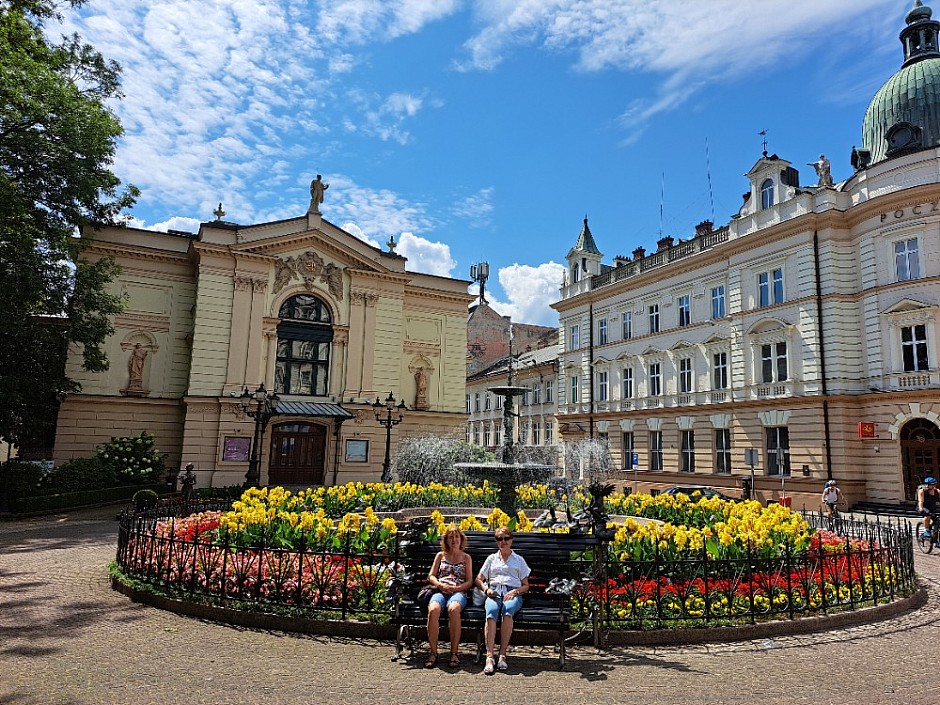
x: 866, y: 429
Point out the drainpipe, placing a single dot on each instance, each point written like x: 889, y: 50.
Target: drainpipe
x: 591, y: 371
x: 822, y: 357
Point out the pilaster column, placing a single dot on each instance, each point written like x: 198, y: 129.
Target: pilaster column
x: 357, y: 321
x: 235, y: 377
x: 254, y: 372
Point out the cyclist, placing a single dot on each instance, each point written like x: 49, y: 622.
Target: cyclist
x: 831, y: 496
x: 928, y: 499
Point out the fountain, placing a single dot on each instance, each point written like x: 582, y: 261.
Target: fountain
x: 507, y: 474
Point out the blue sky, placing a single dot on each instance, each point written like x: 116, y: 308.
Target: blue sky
x: 484, y: 129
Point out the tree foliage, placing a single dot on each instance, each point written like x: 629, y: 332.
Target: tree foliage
x: 57, y: 143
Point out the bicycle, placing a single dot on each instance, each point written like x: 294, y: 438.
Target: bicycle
x: 833, y: 518
x: 924, y: 543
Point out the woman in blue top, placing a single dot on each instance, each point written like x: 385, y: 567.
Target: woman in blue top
x: 505, y: 579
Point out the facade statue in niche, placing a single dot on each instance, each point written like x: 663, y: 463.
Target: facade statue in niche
x: 822, y: 170
x: 135, y: 368
x: 421, y: 389
x: 317, y: 187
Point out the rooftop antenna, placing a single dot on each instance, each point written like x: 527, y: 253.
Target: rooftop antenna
x: 480, y: 273
x: 763, y: 133
x: 662, y: 197
x: 708, y: 172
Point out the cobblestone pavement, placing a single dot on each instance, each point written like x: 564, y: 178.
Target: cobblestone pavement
x: 66, y: 638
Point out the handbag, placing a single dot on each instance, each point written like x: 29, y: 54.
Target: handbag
x: 424, y: 595
x: 479, y: 597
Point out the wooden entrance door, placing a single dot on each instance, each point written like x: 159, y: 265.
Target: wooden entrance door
x: 298, y: 455
x: 920, y: 454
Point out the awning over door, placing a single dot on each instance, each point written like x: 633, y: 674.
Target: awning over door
x: 312, y: 408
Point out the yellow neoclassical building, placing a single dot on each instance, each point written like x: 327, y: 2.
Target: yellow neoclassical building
x: 322, y: 318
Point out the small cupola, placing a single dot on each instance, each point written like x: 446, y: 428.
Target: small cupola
x: 919, y: 37
x: 773, y: 181
x: 584, y: 259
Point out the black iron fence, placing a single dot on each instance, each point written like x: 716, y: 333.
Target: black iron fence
x: 866, y: 563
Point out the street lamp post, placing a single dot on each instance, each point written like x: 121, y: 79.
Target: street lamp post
x: 384, y: 414
x: 261, y: 406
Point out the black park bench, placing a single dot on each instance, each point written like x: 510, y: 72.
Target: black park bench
x: 549, y: 556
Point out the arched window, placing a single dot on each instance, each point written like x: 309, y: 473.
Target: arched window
x: 304, y: 336
x: 767, y: 194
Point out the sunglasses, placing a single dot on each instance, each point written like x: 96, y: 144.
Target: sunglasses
x: 500, y: 539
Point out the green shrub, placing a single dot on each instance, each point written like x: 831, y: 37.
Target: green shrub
x: 145, y: 499
x: 77, y: 475
x: 132, y: 459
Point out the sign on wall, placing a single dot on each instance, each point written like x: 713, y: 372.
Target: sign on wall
x: 236, y: 449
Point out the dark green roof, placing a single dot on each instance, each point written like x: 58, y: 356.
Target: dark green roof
x: 586, y: 241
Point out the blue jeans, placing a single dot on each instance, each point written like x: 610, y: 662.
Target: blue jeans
x: 457, y: 598
x: 510, y: 607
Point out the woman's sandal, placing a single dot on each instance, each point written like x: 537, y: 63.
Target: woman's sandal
x: 432, y: 661
x: 454, y: 661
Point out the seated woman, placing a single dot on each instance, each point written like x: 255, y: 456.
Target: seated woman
x: 451, y: 575
x: 504, y: 578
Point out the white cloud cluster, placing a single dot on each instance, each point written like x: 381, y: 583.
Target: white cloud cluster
x: 530, y: 291
x: 476, y: 208
x: 426, y: 256
x: 361, y: 21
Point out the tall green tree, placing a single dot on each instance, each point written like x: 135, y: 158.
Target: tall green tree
x: 57, y: 143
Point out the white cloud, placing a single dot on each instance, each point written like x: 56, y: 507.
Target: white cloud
x: 426, y: 256
x: 359, y: 21
x: 477, y: 208
x: 530, y: 291
x: 189, y: 225
x: 377, y: 213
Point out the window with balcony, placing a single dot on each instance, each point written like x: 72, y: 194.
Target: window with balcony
x: 723, y: 451
x: 770, y: 287
x: 685, y: 310
x: 778, y: 450
x: 907, y: 260
x: 720, y: 370
x: 656, y: 379
x: 773, y: 366
x: 914, y: 348
x: 602, y: 385
x: 687, y: 448
x: 718, y: 301
x: 602, y: 332
x: 626, y: 323
x: 627, y: 383
x: 656, y: 451
x: 685, y: 375
x: 654, y: 318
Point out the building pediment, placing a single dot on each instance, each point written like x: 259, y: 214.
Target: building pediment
x: 907, y: 306
x: 768, y: 325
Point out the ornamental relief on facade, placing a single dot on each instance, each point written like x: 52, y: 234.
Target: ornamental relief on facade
x: 309, y: 267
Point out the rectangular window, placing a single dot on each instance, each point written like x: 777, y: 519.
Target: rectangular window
x: 499, y: 404
x: 549, y: 391
x: 778, y: 450
x: 487, y: 402
x: 656, y: 451
x: 476, y: 434
x: 575, y: 337
x: 914, y: 348
x: 469, y: 436
x: 536, y: 433
x: 907, y: 260
x: 602, y: 332
x: 469, y: 408
x: 536, y: 393
x: 771, y: 287
x: 476, y: 401
x: 723, y: 451
x: 654, y: 318
x: 574, y: 390
x: 602, y: 390
x: 549, y: 432
x: 525, y: 398
x: 718, y: 301
x: 656, y: 380
x: 628, y: 383
x: 685, y: 375
x: 498, y: 434
x: 486, y: 434
x: 773, y: 362
x: 687, y: 444
x: 626, y: 322
x: 627, y: 450
x: 685, y: 310
x: 720, y: 370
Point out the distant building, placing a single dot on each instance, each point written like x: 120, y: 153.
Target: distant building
x: 807, y: 328
x: 322, y: 318
x: 488, y: 337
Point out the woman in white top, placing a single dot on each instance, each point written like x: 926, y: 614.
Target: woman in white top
x: 505, y: 579
x: 831, y: 496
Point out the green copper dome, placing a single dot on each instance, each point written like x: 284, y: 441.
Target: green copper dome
x: 904, y: 115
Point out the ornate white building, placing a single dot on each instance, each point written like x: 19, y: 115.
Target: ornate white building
x: 807, y: 328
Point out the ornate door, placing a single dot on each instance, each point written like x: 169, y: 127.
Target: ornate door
x: 920, y: 454
x: 298, y: 455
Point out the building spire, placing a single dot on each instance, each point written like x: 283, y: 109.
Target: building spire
x: 919, y: 38
x: 586, y: 240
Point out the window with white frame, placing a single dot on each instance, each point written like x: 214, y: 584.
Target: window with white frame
x: 627, y: 383
x: 723, y: 451
x: 549, y: 432
x: 469, y: 408
x: 767, y: 194
x: 656, y: 451
x: 907, y: 259
x: 549, y: 391
x: 685, y: 375
x: 486, y: 433
x: 536, y: 393
x: 575, y: 386
x: 770, y: 287
x: 476, y: 434
x: 720, y: 370
x: 602, y: 385
x: 536, y: 433
x: 499, y: 403
x: 525, y: 398
x: 626, y: 323
x: 476, y: 401
x: 498, y: 434
x: 687, y: 448
x: 575, y: 337
x: 778, y: 450
x: 773, y: 362
x: 914, y: 348
x: 602, y: 331
x: 718, y: 301
x: 655, y: 379
x: 626, y: 445
x: 654, y: 318
x: 487, y: 401
x: 468, y: 430
x: 685, y: 310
